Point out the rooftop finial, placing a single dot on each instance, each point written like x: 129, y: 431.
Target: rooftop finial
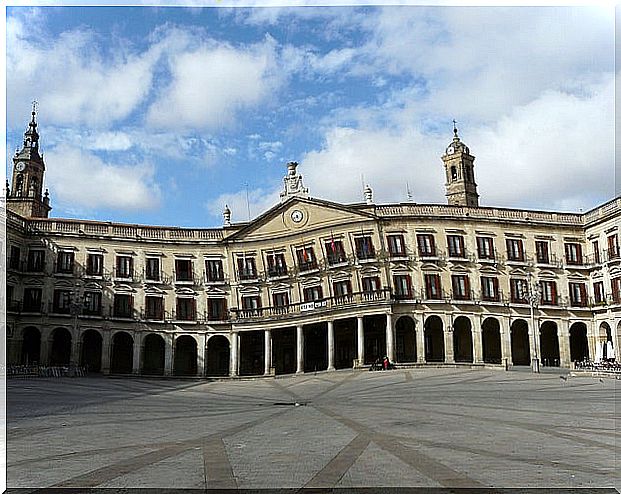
x: 455, y: 129
x: 34, y: 109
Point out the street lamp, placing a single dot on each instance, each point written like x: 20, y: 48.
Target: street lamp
x: 534, y: 293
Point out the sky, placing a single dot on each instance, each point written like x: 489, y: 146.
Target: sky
x: 162, y: 115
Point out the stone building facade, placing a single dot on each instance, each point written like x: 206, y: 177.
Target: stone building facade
x: 311, y: 285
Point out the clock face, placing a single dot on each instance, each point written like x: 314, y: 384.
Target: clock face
x: 20, y: 167
x: 450, y: 150
x: 297, y: 216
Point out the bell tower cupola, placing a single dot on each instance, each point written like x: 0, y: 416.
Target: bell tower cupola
x: 25, y: 196
x: 461, y: 189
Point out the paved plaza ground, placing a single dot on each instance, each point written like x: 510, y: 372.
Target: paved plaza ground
x: 415, y: 427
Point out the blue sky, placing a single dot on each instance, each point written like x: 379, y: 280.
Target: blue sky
x: 162, y: 115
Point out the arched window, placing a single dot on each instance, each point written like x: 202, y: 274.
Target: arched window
x: 453, y: 173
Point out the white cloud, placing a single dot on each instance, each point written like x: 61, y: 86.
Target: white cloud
x: 260, y: 200
x: 110, y: 141
x: 81, y: 180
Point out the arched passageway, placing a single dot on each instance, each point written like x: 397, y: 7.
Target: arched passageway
x: 520, y: 348
x: 218, y: 356
x: 91, y: 350
x: 315, y: 347
x: 434, y: 339
x: 153, y: 355
x: 31, y: 346
x: 462, y: 340
x: 405, y: 338
x: 60, y: 353
x: 122, y: 357
x: 252, y: 353
x: 185, y: 363
x: 578, y: 342
x: 605, y: 347
x: 345, y: 350
x: 374, y: 338
x: 550, y: 355
x: 492, y: 352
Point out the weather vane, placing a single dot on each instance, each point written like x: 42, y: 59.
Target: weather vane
x: 455, y: 127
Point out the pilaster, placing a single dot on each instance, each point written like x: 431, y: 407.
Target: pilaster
x: 330, y: 345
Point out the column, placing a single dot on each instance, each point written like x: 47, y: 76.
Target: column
x: 234, y: 365
x: 420, y: 340
x: 268, y: 352
x: 200, y: 355
x: 76, y: 346
x: 330, y: 345
x: 563, y: 343
x: 592, y: 339
x: 360, y: 335
x: 137, y: 353
x: 299, y: 349
x: 168, y: 354
x: 505, y: 341
x: 390, y: 338
x: 449, y: 355
x: 477, y: 341
x: 534, y: 339
x: 105, y: 351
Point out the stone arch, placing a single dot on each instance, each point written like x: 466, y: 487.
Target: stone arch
x: 31, y: 345
x: 520, y: 347
x: 578, y: 342
x: 153, y: 354
x: 122, y: 358
x: 405, y: 339
x: 90, y: 356
x: 434, y: 339
x: 462, y: 340
x: 548, y: 340
x: 60, y: 351
x: 492, y: 352
x: 186, y: 353
x: 605, y: 343
x: 218, y: 356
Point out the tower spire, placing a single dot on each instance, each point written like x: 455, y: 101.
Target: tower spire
x: 455, y: 129
x: 461, y: 188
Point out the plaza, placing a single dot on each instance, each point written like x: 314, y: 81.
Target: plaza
x: 424, y: 427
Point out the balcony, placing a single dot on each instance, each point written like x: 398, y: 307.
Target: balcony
x: 156, y: 278
x: 551, y: 261
x: 125, y: 275
x: 337, y: 259
x: 463, y: 256
x: 305, y: 267
x: 277, y: 271
x: 467, y: 296
x: 431, y: 255
x: 123, y: 313
x: 518, y: 261
x: 247, y: 275
x: 578, y: 263
x: 488, y: 257
x: 365, y: 256
x: 184, y: 277
x: 13, y: 306
x: 214, y: 278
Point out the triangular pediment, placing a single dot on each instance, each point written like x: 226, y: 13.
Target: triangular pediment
x: 214, y: 290
x: 487, y: 269
x: 280, y: 287
x: 399, y: 267
x: 11, y: 279
x: 430, y: 266
x: 249, y: 289
x: 615, y: 271
x: 297, y: 215
x: 369, y: 271
x: 33, y: 282
x: 185, y: 291
x: 577, y: 277
x: 93, y: 286
x: 63, y: 284
x: 123, y: 289
x: 547, y: 274
x: 458, y: 268
x: 517, y: 272
x: 153, y: 290
x: 311, y: 280
x: 340, y: 275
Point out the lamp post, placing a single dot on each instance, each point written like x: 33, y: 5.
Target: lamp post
x: 534, y: 294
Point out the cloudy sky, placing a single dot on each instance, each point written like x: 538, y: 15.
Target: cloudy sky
x: 163, y: 114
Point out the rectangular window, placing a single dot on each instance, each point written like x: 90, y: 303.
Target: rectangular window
x: 92, y: 303
x: 186, y: 309
x: 62, y: 302
x: 280, y: 299
x: 364, y: 248
x: 313, y: 293
x: 461, y: 287
x: 396, y: 245
x: 573, y: 254
x: 613, y: 247
x: 455, y: 245
x: 519, y: 291
x: 335, y: 252
x: 94, y: 264
x: 371, y: 284
x: 596, y: 255
x: 403, y: 286
x: 426, y: 245
x: 616, y: 290
x: 342, y: 290
x: 152, y: 269
x: 14, y: 258
x: 36, y: 261
x: 548, y: 292
x: 154, y: 308
x: 577, y: 295
x: 306, y: 258
x: 123, y: 305
x: 276, y: 264
x: 64, y: 262
x: 515, y: 249
x: 124, y: 267
x: 214, y: 270
x: 9, y: 296
x: 542, y: 252
x: 485, y: 248
x: 216, y: 309
x: 598, y: 292
x: 183, y: 270
x: 32, y: 299
x: 246, y: 268
x: 433, y: 287
x: 251, y: 305
x: 489, y: 289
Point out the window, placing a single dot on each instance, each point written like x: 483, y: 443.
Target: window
x: 489, y: 289
x: 335, y: 252
x: 152, y: 269
x: 364, y: 248
x: 94, y: 264
x: 62, y: 302
x: 276, y: 264
x: 461, y: 287
x: 598, y: 292
x: 370, y: 284
x: 306, y: 258
x: 616, y: 290
x: 613, y: 247
x: 32, y: 299
x: 154, y: 308
x: 281, y: 299
x: 577, y: 295
x: 453, y: 173
x: 124, y: 267
x: 92, y: 303
x: 519, y: 291
x: 433, y: 287
x: 342, y: 290
x: 396, y: 245
x: 246, y: 268
x: 403, y: 286
x: 596, y: 255
x: 36, y: 261
x: 426, y: 245
x: 64, y: 262
x: 485, y: 248
x: 251, y: 305
x: 14, y: 257
x: 123, y: 305
x: 542, y: 251
x: 548, y: 292
x: 186, y: 309
x: 216, y: 309
x: 183, y: 270
x: 515, y: 249
x: 573, y: 254
x: 9, y: 296
x: 313, y: 293
x: 456, y: 246
x: 214, y: 270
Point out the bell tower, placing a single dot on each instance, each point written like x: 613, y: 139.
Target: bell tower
x: 461, y: 189
x: 25, y: 196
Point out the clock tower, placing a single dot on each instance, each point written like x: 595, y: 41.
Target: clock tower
x: 25, y: 196
x: 461, y: 189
